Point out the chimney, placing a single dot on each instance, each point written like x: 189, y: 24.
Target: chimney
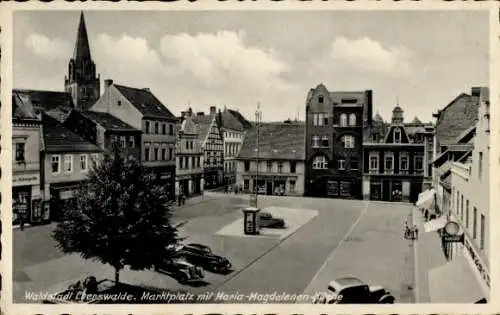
x: 476, y: 91
x: 212, y: 110
x: 190, y: 112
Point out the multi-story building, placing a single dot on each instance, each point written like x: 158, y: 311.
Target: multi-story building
x: 104, y: 129
x: 234, y: 133
x: 468, y: 271
x: 453, y: 142
x: 394, y: 158
x: 211, y: 138
x: 335, y: 122
x: 27, y: 194
x: 82, y: 83
x: 189, y: 155
x: 276, y: 163
x: 66, y: 158
x: 140, y: 109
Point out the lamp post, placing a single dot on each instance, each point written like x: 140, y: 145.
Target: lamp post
x: 258, y: 118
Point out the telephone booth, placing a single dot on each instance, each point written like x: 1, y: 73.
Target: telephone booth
x: 251, y: 221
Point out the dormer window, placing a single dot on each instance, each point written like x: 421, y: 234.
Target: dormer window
x: 320, y: 99
x: 397, y: 135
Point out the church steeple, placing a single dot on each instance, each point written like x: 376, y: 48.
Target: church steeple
x: 82, y: 82
x: 82, y: 48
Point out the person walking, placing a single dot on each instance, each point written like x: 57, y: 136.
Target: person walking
x: 415, y: 231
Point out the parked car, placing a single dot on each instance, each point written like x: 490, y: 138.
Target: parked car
x: 180, y: 269
x: 202, y: 255
x: 266, y: 220
x: 350, y: 290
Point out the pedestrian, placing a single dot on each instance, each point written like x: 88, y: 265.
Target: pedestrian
x: 21, y: 222
x: 415, y: 230
x: 406, y: 231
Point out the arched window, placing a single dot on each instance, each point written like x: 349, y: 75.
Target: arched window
x: 319, y: 162
x: 397, y: 135
x: 343, y: 120
x: 352, y: 120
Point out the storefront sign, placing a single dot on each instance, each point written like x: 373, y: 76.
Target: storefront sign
x: 26, y: 179
x: 483, y: 272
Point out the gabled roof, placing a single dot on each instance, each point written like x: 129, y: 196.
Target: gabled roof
x: 203, y: 123
x: 145, y: 102
x: 188, y: 126
x: 57, y: 104
x: 245, y: 123
x: 455, y: 118
x: 108, y: 121
x: 277, y: 141
x: 58, y: 138
x: 21, y: 106
x: 229, y: 121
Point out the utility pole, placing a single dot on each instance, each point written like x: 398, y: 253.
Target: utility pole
x: 258, y: 118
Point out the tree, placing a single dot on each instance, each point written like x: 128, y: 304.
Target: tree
x: 121, y: 218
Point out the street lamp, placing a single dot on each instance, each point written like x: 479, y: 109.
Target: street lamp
x: 258, y: 119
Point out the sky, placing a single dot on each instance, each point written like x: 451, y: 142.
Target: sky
x: 238, y: 59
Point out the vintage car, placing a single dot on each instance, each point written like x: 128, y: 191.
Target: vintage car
x: 181, y: 270
x: 350, y: 290
x: 266, y: 220
x: 202, y: 255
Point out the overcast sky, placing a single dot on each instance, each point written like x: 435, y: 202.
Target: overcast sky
x: 241, y: 58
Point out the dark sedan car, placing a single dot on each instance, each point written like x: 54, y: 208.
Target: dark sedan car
x: 266, y: 220
x: 350, y: 290
x: 202, y: 255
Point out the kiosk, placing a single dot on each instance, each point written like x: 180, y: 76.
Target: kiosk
x: 251, y: 221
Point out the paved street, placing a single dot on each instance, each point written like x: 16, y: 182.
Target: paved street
x: 346, y: 237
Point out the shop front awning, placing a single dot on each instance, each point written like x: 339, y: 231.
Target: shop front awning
x: 454, y: 282
x: 435, y: 224
x: 426, y: 199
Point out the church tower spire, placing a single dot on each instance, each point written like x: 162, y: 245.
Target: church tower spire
x: 81, y: 81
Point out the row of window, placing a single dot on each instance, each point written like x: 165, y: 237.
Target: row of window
x: 124, y: 141
x: 320, y: 162
x: 230, y: 166
x: 347, y: 142
x: 67, y: 163
x: 389, y: 162
x: 189, y: 145
x: 321, y: 119
x: 186, y: 161
x: 231, y: 149
x: 291, y: 185
x: 213, y: 161
x: 465, y: 217
x: 229, y: 134
x: 156, y: 127
x: 214, y: 146
x: 270, y: 164
x: 158, y: 152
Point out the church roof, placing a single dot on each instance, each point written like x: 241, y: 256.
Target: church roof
x: 82, y: 47
x: 145, y: 102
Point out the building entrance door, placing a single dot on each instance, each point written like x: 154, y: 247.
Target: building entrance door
x: 269, y: 188
x: 376, y: 191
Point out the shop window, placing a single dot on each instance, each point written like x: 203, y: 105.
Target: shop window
x: 292, y: 186
x: 319, y: 162
x: 68, y: 163
x: 20, y: 152
x: 332, y: 188
x: 345, y: 188
x: 56, y: 164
